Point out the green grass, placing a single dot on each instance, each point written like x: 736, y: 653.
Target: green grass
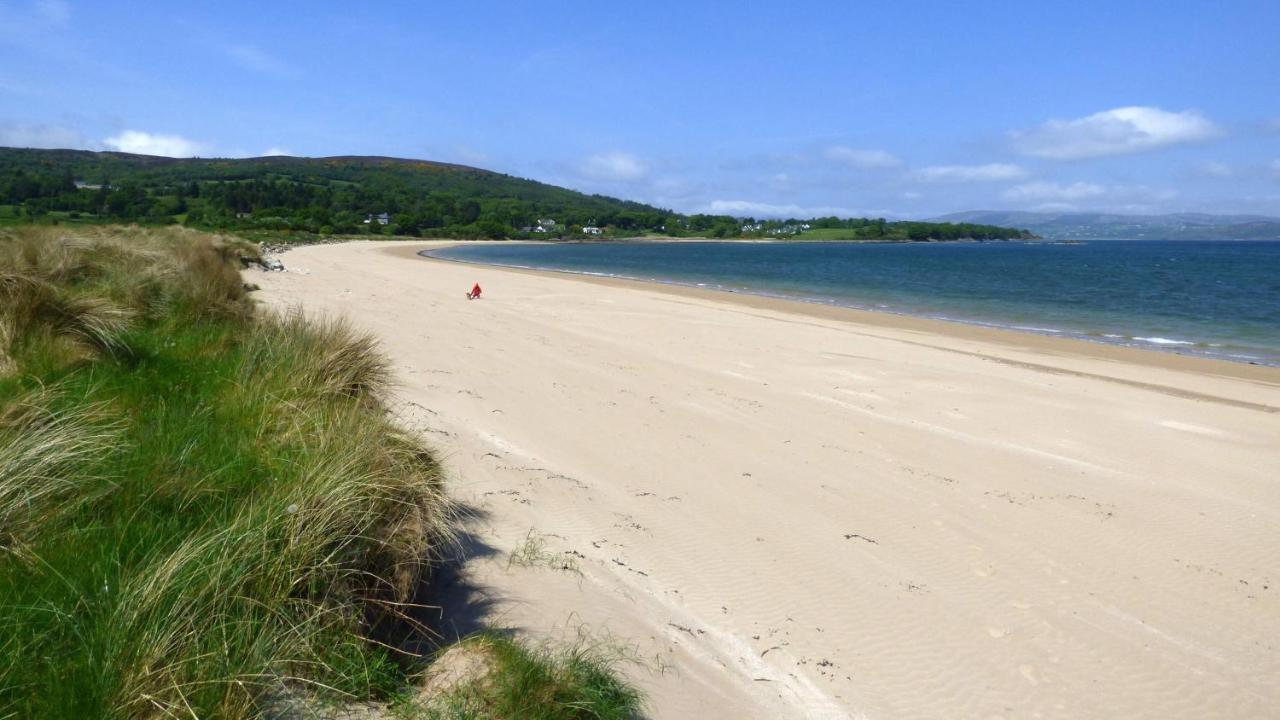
x: 828, y: 234
x: 198, y: 505
x: 537, y: 683
x: 202, y: 509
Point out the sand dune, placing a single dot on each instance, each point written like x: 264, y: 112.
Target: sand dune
x: 809, y: 512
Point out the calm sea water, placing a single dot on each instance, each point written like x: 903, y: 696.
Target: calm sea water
x: 1219, y: 299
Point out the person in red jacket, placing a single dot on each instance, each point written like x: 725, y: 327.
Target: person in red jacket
x: 475, y: 293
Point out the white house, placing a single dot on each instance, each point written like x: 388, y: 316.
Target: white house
x: 592, y: 230
x: 382, y: 218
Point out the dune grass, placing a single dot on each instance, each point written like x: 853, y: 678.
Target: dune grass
x: 536, y: 682
x: 204, y: 510
x: 197, y: 506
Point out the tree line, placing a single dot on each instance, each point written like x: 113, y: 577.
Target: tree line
x: 380, y: 196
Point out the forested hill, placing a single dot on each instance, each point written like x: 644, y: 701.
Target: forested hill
x: 334, y: 194
x: 374, y: 195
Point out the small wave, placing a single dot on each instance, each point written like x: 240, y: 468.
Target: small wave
x: 1163, y: 341
x: 1029, y: 328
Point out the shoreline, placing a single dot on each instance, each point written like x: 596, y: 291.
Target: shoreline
x: 811, y: 512
x: 1068, y: 347
x: 1160, y: 346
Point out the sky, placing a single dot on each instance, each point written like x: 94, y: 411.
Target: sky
x: 903, y: 109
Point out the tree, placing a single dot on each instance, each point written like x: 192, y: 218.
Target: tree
x: 469, y: 212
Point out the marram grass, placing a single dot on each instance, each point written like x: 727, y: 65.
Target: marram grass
x: 197, y: 505
x: 537, y: 682
x: 202, y: 507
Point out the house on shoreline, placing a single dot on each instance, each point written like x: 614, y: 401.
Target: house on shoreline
x: 545, y: 225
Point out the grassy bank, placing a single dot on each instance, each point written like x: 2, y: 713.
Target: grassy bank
x: 200, y: 508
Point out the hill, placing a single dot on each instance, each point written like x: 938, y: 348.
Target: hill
x: 1085, y: 225
x: 329, y: 194
x: 346, y: 195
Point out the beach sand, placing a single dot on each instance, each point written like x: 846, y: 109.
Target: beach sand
x: 810, y: 512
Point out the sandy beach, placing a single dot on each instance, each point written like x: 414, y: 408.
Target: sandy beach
x: 811, y: 512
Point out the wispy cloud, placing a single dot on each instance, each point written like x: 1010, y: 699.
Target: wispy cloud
x: 991, y: 172
x: 1275, y: 168
x: 614, y: 167
x: 861, y: 159
x: 747, y: 208
x: 257, y: 60
x: 1068, y: 196
x: 143, y: 143
x: 28, y: 135
x: 1114, y: 132
x: 1054, y: 191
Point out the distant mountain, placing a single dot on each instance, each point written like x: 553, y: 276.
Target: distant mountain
x: 1085, y: 225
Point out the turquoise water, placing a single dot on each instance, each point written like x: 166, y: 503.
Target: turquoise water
x: 1219, y: 299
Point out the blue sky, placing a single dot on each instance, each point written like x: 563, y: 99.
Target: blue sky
x: 791, y: 108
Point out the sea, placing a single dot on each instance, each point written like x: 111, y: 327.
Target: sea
x: 1216, y: 298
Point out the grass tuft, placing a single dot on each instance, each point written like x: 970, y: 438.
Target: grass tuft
x: 39, y: 450
x: 536, y: 682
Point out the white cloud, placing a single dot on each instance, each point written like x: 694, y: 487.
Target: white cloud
x: 861, y: 159
x: 39, y: 136
x: 142, y: 143
x: 1054, y: 191
x: 747, y: 208
x: 614, y: 166
x: 1114, y: 132
x: 252, y: 58
x: 274, y: 151
x: 991, y: 172
x: 1063, y: 196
